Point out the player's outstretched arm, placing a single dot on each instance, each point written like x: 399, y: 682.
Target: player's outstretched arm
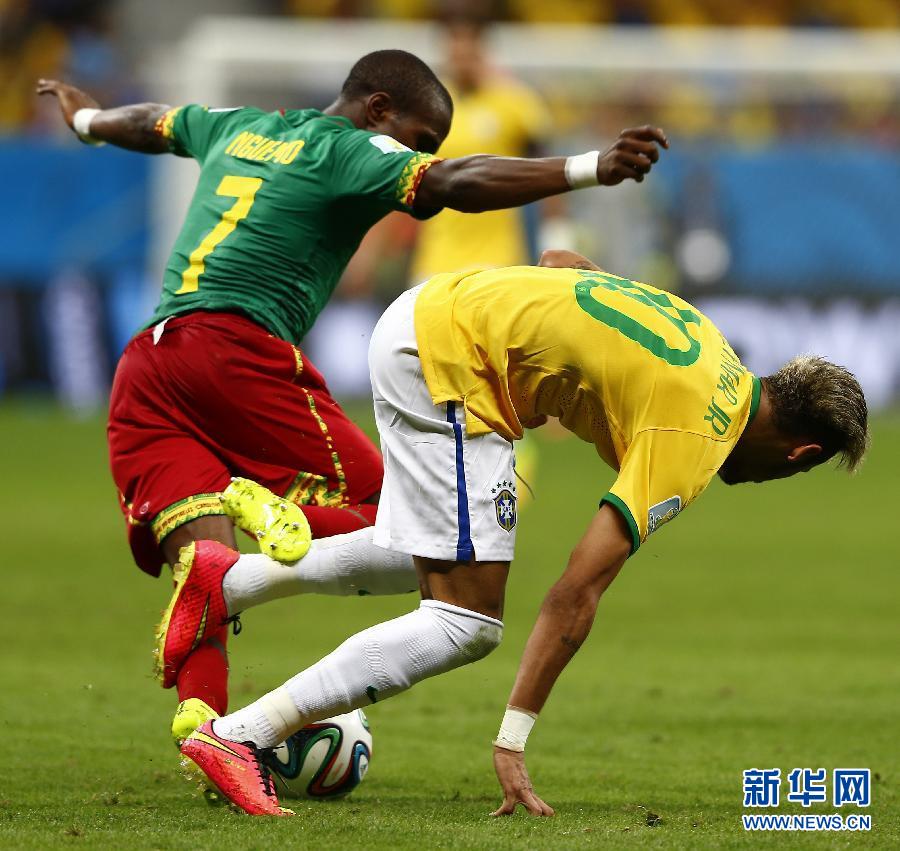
x: 482, y: 182
x: 131, y: 127
x: 563, y: 624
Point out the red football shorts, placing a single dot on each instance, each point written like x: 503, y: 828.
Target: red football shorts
x: 218, y: 396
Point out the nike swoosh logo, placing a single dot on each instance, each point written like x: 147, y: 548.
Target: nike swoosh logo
x: 202, y: 626
x: 200, y: 736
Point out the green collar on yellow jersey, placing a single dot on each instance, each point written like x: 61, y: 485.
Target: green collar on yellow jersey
x: 754, y: 399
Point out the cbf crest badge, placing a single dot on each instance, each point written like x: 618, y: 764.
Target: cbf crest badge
x: 505, y: 504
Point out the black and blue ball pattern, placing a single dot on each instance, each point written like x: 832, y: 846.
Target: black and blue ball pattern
x: 325, y: 760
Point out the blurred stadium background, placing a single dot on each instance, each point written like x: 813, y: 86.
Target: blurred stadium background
x: 755, y: 633
x: 775, y: 209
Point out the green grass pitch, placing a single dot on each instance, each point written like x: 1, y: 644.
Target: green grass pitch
x: 758, y: 630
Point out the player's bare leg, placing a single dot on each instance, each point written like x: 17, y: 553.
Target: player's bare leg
x: 216, y: 527
x: 477, y: 585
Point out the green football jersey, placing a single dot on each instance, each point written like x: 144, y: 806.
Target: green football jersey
x: 283, y: 201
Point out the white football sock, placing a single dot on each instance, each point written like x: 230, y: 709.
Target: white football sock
x: 340, y: 565
x: 372, y: 665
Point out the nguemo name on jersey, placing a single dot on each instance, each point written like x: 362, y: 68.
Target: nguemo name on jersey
x: 252, y: 146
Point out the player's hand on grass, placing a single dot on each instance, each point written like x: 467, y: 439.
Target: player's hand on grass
x: 631, y: 156
x: 516, y: 785
x: 70, y: 99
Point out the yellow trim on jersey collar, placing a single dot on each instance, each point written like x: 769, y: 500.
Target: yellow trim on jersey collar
x: 754, y: 399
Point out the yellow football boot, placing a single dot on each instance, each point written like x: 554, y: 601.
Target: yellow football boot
x: 191, y: 714
x: 279, y: 526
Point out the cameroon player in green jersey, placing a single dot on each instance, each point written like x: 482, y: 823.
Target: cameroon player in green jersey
x: 216, y: 385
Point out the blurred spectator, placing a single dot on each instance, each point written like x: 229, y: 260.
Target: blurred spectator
x: 56, y: 38
x: 493, y: 113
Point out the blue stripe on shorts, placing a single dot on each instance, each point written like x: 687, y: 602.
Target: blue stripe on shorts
x: 464, y: 548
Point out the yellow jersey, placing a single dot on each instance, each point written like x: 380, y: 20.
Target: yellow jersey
x: 502, y: 118
x: 636, y: 371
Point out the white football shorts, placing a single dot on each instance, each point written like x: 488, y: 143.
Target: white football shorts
x: 445, y: 495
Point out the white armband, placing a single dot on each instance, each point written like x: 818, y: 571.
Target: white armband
x: 514, y: 730
x: 581, y: 170
x: 81, y: 123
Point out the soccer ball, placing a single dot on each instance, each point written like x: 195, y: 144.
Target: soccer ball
x: 327, y: 759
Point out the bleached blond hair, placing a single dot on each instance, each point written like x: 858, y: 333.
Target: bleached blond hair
x: 816, y: 399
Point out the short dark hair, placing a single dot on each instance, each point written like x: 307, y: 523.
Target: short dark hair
x: 814, y: 398
x: 411, y: 84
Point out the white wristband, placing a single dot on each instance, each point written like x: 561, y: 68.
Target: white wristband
x: 581, y: 170
x: 514, y: 730
x: 81, y: 122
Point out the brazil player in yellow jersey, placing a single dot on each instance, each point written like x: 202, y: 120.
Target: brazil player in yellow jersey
x: 460, y: 367
x: 492, y: 111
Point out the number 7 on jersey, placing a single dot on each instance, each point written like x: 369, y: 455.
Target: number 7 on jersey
x: 242, y: 188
